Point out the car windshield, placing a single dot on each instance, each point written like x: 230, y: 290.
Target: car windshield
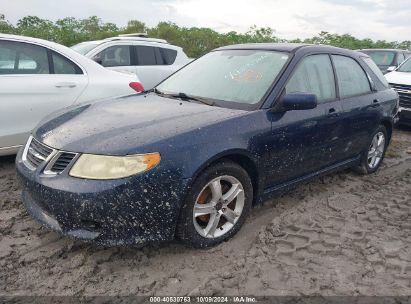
x: 84, y: 47
x: 406, y: 66
x: 381, y: 57
x: 241, y: 76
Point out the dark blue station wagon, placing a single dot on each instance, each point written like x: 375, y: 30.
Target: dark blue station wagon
x: 189, y: 158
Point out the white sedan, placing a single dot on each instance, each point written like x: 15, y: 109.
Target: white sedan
x: 38, y: 77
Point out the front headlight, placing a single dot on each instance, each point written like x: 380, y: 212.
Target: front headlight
x: 113, y: 167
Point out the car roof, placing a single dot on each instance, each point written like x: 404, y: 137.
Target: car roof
x: 154, y: 42
x: 287, y: 47
x: 389, y: 50
x: 42, y: 42
x: 136, y: 39
x: 25, y: 38
x: 126, y: 38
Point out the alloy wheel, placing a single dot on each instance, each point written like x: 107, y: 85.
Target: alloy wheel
x: 218, y: 206
x: 376, y: 150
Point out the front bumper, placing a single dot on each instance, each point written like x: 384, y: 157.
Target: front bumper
x: 404, y: 115
x: 126, y: 211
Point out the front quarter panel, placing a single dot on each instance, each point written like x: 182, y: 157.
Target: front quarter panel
x: 389, y: 105
x: 248, y: 135
x: 131, y: 210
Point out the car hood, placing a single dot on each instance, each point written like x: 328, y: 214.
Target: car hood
x: 399, y: 77
x: 126, y: 125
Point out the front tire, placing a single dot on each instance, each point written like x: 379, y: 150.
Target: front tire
x: 216, y: 206
x: 372, y: 158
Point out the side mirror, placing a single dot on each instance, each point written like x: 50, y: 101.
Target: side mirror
x: 299, y: 101
x: 391, y: 68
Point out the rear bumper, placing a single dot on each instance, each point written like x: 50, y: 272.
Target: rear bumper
x: 129, y: 211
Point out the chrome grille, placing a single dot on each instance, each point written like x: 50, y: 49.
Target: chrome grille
x: 61, y: 162
x: 36, y: 153
x: 404, y: 92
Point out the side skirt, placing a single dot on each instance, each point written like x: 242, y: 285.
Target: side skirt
x: 281, y: 188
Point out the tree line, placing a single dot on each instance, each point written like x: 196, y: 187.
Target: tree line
x: 195, y: 41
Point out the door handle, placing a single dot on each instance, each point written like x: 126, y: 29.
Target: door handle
x: 65, y: 85
x: 333, y: 113
x: 375, y: 103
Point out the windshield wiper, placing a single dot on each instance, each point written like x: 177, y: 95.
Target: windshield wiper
x: 155, y: 90
x: 184, y: 96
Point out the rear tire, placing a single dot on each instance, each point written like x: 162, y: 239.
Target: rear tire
x: 216, y: 206
x: 372, y: 158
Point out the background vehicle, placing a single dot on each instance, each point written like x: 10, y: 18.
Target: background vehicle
x: 151, y: 59
x: 189, y: 158
x: 400, y: 80
x: 38, y: 77
x: 387, y: 59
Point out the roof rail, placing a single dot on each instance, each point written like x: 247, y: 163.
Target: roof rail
x: 141, y: 35
x: 136, y: 38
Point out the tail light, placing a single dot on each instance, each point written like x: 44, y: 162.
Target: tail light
x: 136, y: 86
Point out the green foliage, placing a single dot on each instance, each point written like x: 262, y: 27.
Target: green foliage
x: 349, y: 42
x: 36, y: 27
x: 195, y: 41
x: 5, y: 26
x: 135, y: 26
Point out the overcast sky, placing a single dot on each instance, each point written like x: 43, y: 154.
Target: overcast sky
x: 376, y: 19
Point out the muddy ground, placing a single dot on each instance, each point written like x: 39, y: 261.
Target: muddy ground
x: 343, y: 234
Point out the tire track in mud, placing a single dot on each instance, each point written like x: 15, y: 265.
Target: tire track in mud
x: 339, y: 234
x: 355, y: 242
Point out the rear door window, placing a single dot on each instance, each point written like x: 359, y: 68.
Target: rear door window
x: 146, y: 55
x: 314, y: 75
x: 352, y: 80
x: 23, y: 58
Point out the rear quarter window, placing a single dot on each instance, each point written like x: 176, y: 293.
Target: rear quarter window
x: 374, y: 68
x: 168, y: 55
x: 62, y: 65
